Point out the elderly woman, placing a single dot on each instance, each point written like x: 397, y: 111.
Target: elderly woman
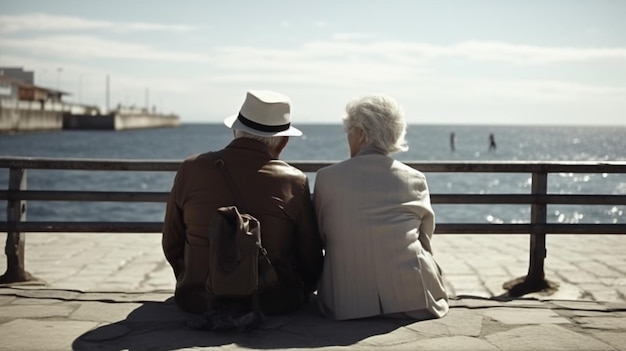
x: 376, y: 221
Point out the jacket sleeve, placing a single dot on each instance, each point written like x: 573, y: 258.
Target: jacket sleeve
x: 309, y: 244
x: 427, y: 214
x: 318, y: 208
x: 173, y: 240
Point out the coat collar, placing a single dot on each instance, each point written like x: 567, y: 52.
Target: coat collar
x: 370, y: 150
x: 250, y: 145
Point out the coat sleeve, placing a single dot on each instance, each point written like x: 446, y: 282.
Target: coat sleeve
x: 318, y: 208
x: 427, y: 214
x: 173, y: 240
x: 309, y: 243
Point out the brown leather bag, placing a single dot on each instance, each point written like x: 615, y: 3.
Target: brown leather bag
x: 237, y: 257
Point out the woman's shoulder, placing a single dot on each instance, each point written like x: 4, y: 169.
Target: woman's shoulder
x: 403, y: 167
x: 341, y: 166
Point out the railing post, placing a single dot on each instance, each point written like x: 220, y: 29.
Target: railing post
x: 15, y: 243
x: 538, y: 215
x: 535, y: 280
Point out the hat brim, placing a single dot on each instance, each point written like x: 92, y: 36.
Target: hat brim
x: 234, y: 123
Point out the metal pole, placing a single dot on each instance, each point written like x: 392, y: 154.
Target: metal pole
x: 535, y: 280
x: 538, y: 215
x: 59, y: 70
x: 14, y: 249
x: 107, y: 94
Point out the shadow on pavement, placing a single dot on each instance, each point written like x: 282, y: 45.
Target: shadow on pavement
x: 161, y: 326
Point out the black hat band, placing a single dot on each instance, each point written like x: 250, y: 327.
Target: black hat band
x: 262, y: 127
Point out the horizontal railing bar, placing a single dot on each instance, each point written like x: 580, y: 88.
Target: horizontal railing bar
x: 89, y: 164
x: 519, y: 167
x: 313, y: 166
x: 570, y: 199
x: 68, y: 195
x: 528, y: 199
x: 526, y: 228
x: 442, y: 228
x: 83, y: 227
x: 141, y: 196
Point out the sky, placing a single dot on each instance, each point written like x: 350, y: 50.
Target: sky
x: 496, y: 62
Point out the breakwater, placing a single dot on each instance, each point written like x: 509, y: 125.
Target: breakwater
x: 119, y: 121
x: 17, y: 120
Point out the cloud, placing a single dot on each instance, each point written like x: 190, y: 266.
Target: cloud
x: 515, y: 91
x: 350, y: 56
x: 341, y: 61
x: 89, y: 47
x: 528, y: 54
x: 350, y: 36
x: 41, y: 22
x: 352, y: 43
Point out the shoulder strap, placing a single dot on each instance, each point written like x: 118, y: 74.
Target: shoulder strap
x: 219, y: 163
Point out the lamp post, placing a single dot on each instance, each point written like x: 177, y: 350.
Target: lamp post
x: 59, y: 70
x: 80, y: 88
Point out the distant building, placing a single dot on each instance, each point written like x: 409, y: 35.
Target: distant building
x: 17, y: 84
x: 18, y: 74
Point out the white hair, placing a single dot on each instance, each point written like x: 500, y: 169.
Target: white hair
x: 381, y: 119
x: 271, y: 142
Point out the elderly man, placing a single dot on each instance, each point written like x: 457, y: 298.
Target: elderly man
x: 274, y: 192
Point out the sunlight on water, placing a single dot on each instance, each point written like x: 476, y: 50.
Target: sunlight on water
x: 493, y: 220
x: 574, y: 217
x: 328, y: 142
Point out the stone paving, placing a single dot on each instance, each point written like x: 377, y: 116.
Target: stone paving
x: 113, y: 292
x: 587, y: 267
x: 50, y: 320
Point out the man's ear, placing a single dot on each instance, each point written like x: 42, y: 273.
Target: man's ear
x: 283, y: 142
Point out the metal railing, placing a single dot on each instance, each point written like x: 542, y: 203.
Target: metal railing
x: 17, y: 194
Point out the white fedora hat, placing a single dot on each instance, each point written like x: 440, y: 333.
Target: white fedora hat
x: 264, y: 113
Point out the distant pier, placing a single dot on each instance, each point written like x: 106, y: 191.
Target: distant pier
x: 119, y: 121
x: 16, y: 118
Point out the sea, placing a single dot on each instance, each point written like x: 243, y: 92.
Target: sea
x: 327, y: 142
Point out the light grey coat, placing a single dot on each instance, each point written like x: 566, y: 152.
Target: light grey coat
x: 376, y: 222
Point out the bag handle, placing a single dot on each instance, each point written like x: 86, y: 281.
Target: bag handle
x: 219, y: 163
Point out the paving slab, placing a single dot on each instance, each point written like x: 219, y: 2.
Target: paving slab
x: 458, y: 322
x: 16, y: 311
x: 102, y: 311
x: 615, y: 339
x: 545, y: 337
x: 44, y: 335
x: 457, y: 343
x: 611, y: 322
x: 509, y: 315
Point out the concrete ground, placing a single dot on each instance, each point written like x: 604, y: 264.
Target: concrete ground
x: 113, y: 292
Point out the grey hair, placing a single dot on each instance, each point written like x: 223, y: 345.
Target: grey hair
x: 271, y: 142
x: 381, y: 119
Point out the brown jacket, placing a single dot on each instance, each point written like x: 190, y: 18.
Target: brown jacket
x: 276, y: 193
